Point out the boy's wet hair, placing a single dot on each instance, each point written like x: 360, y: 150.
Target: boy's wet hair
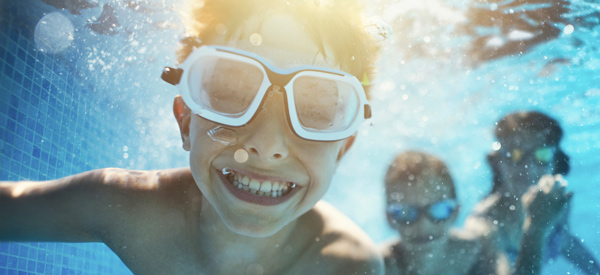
x: 411, y: 165
x: 338, y: 24
x: 532, y: 122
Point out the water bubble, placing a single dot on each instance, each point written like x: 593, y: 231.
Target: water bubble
x: 512, y: 207
x: 569, y: 29
x: 223, y: 135
x: 496, y: 146
x: 221, y: 29
x: 240, y: 155
x: 256, y: 39
x: 54, y: 33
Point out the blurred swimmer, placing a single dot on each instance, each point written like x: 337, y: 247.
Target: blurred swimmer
x: 281, y: 78
x: 422, y: 206
x: 526, y: 213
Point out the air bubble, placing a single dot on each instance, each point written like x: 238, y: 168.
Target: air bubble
x: 223, y: 135
x: 569, y: 29
x: 54, y: 33
x: 496, y: 146
x: 240, y: 155
x: 221, y: 29
x: 256, y: 39
x: 226, y: 171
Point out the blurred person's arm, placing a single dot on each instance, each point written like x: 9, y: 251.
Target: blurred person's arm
x: 490, y: 259
x: 544, y: 203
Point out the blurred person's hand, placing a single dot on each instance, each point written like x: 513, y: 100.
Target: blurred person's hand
x: 546, y: 203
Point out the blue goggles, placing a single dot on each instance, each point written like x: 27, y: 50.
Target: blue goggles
x: 436, y: 212
x: 227, y: 86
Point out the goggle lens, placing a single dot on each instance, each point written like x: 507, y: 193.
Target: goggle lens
x: 225, y: 86
x: 403, y: 213
x: 442, y: 210
x: 544, y: 155
x: 324, y: 104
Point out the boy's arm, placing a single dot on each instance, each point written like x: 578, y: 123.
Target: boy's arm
x: 578, y: 254
x: 50, y: 210
x: 78, y: 208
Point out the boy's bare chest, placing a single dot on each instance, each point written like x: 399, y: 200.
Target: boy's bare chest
x: 173, y: 255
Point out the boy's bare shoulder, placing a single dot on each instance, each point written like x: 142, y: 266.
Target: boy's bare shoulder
x: 151, y: 193
x: 147, y: 180
x: 339, y: 246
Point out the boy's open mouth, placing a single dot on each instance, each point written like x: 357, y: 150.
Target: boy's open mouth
x: 264, y: 192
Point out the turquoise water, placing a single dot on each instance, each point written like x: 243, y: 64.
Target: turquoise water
x: 98, y: 102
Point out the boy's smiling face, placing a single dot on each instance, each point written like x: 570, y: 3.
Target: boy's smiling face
x: 278, y: 159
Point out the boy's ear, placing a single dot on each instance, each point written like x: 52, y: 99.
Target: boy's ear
x: 183, y: 115
x: 347, y: 144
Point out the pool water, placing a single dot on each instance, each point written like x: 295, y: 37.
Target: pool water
x: 86, y: 94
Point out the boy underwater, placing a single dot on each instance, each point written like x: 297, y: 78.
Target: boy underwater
x: 269, y: 104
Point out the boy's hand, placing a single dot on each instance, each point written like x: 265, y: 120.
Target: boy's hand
x: 545, y: 203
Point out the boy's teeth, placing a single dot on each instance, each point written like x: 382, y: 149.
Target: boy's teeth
x: 267, y: 188
x: 245, y: 180
x: 254, y: 185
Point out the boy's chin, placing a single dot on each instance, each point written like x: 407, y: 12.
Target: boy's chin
x: 254, y: 229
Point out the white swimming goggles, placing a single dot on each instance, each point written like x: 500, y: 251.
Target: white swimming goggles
x: 227, y: 86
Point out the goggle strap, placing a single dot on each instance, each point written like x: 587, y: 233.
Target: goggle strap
x: 367, y: 111
x: 171, y: 75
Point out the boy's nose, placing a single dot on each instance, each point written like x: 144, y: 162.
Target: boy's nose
x: 268, y: 138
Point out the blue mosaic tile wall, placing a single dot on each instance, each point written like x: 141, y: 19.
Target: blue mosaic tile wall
x: 52, y: 125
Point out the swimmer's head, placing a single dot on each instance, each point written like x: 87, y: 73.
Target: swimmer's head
x: 285, y: 167
x: 421, y: 199
x: 413, y: 167
x: 531, y: 133
x: 345, y: 38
